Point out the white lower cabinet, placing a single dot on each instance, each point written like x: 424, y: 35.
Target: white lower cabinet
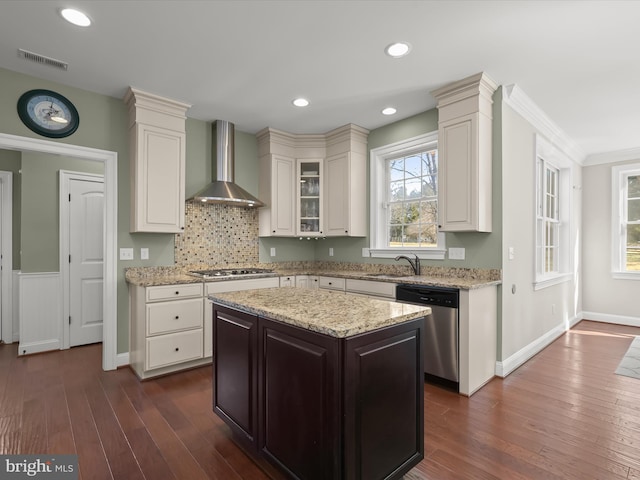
x: 335, y: 284
x: 307, y: 281
x: 371, y: 288
x: 228, y: 286
x: 166, y: 332
x: 288, y: 281
x: 173, y: 349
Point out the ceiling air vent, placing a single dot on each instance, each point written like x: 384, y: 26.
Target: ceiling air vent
x: 36, y: 57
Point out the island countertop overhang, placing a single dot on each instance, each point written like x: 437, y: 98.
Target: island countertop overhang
x: 321, y: 311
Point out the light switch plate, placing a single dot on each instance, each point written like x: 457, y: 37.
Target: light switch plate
x: 144, y: 254
x: 456, y: 253
x: 126, y: 254
x: 331, y: 251
x: 273, y: 251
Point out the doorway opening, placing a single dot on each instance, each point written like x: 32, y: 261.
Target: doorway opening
x: 109, y: 287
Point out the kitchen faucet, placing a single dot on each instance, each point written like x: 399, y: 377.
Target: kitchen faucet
x: 415, y: 264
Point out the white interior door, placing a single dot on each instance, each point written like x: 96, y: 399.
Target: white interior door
x: 86, y: 237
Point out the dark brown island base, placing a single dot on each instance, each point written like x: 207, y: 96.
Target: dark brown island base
x: 321, y: 385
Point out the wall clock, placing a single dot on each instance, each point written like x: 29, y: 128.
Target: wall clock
x: 48, y: 113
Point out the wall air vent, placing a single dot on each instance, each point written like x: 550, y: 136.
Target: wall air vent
x: 41, y: 59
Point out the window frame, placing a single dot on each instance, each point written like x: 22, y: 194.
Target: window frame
x: 549, y: 158
x: 378, y: 233
x: 619, y: 204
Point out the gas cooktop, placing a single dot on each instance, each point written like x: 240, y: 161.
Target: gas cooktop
x: 233, y: 272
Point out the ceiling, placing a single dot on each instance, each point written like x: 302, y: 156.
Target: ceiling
x: 245, y: 61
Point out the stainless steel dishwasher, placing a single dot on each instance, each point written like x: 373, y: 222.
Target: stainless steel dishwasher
x: 441, y: 344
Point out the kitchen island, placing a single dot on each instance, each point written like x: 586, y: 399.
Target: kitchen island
x: 322, y: 386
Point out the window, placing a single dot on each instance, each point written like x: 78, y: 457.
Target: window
x: 553, y: 215
x: 548, y: 218
x: 626, y: 221
x: 404, y: 199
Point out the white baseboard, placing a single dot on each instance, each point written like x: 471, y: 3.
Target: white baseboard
x: 508, y: 365
x: 122, y: 359
x: 608, y: 318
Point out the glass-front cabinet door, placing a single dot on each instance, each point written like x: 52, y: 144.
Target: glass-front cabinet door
x: 310, y: 198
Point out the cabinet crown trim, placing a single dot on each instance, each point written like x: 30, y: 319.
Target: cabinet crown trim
x: 478, y: 84
x: 138, y: 99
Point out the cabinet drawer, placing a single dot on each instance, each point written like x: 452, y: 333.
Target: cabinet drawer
x: 169, y: 292
x: 332, y: 283
x: 167, y: 317
x: 173, y: 348
x: 368, y: 287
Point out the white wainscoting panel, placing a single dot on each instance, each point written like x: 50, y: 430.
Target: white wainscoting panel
x: 40, y: 312
x: 15, y: 304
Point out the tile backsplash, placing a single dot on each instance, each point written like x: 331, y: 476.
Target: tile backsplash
x: 218, y: 235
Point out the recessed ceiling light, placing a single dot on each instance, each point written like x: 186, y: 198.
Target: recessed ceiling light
x: 389, y: 111
x: 301, y: 102
x: 76, y: 17
x: 398, y: 49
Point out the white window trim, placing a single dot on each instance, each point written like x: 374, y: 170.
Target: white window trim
x: 618, y: 174
x: 377, y: 233
x: 552, y: 156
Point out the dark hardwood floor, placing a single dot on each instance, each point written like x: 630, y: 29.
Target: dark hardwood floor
x: 562, y: 415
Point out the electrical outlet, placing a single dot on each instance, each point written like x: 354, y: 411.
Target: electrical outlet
x: 366, y: 252
x: 273, y: 251
x: 126, y: 254
x: 330, y: 251
x: 144, y: 254
x: 456, y: 253
x: 512, y: 253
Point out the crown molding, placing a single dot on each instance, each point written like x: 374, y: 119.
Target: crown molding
x: 515, y: 98
x: 613, y: 157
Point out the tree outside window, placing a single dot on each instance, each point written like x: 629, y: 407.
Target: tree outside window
x: 632, y: 224
x: 413, y: 200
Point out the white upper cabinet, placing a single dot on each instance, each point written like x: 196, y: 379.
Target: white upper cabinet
x: 322, y: 189
x: 277, y: 179
x: 465, y: 154
x: 157, y: 158
x: 276, y: 187
x: 346, y: 182
x: 310, y: 188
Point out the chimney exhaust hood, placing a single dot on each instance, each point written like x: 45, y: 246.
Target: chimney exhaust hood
x: 223, y: 190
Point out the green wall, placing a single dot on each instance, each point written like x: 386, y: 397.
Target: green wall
x: 40, y: 213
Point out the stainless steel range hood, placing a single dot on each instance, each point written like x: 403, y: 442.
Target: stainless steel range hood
x: 223, y: 190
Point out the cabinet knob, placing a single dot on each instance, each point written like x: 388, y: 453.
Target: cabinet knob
x: 177, y: 317
x: 330, y: 283
x: 181, y: 228
x: 274, y: 231
x: 177, y: 349
x: 177, y: 292
x: 346, y: 231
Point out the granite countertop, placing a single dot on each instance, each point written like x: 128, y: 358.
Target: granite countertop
x: 465, y: 279
x: 320, y: 310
